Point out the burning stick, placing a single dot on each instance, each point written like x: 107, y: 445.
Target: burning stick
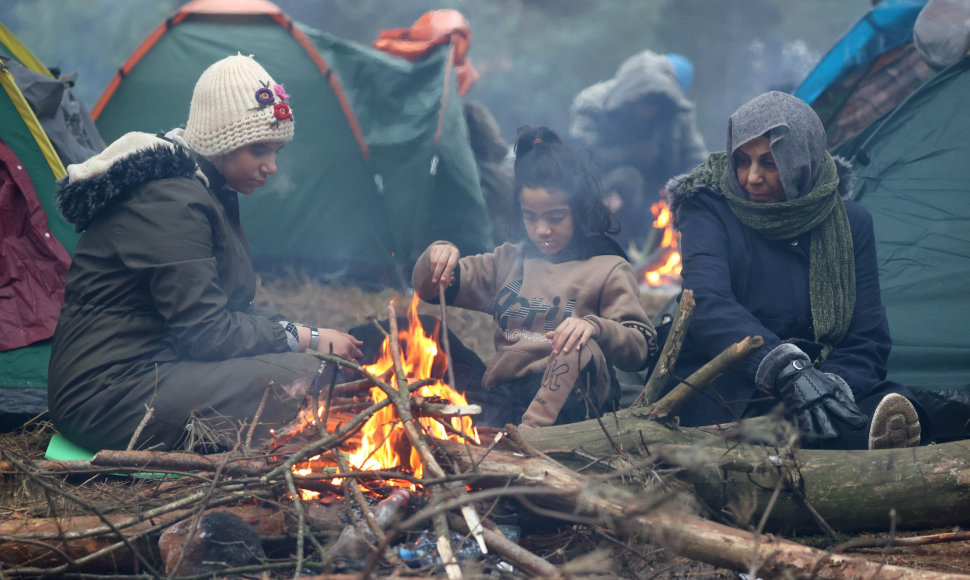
x: 403, y: 403
x: 429, y: 408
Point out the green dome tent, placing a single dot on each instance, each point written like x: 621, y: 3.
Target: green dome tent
x: 912, y: 171
x: 380, y: 165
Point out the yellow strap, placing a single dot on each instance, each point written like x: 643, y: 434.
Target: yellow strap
x: 21, y: 52
x: 30, y: 119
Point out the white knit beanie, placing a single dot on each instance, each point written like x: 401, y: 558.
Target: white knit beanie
x: 236, y: 103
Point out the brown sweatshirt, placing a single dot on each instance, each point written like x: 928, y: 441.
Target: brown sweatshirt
x: 529, y: 296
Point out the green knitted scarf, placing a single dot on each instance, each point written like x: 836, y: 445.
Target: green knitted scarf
x: 821, y: 212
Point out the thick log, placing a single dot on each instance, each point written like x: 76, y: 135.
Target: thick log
x: 41, y: 543
x: 758, y: 555
x: 927, y: 486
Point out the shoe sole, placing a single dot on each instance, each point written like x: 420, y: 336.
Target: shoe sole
x: 895, y: 424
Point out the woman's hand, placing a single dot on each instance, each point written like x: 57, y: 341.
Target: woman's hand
x: 344, y: 345
x: 571, y: 332
x: 444, y: 259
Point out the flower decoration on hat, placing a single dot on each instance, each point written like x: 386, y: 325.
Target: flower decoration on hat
x: 266, y: 97
x: 282, y: 112
x: 280, y: 92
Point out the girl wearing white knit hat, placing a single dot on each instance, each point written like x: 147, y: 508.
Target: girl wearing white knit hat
x: 158, y: 307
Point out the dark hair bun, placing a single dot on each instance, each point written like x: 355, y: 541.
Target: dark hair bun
x: 528, y: 137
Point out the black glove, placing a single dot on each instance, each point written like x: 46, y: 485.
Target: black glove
x: 821, y: 402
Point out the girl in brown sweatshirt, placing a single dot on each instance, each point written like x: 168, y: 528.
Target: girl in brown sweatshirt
x: 564, y: 297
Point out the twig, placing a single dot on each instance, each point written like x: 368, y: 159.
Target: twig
x: 893, y: 541
x: 403, y: 405
x: 599, y: 418
x: 444, y: 335
x: 779, y: 484
x: 705, y: 375
x: 180, y: 461
x: 300, y: 522
x: 149, y: 413
x: 331, y: 386
x: 259, y: 414
x: 516, y: 436
x: 513, y: 552
x: 660, y: 377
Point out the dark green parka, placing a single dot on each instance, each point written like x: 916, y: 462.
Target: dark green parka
x: 158, y: 307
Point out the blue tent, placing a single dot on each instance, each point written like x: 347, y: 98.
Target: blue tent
x: 873, y: 67
x: 887, y: 25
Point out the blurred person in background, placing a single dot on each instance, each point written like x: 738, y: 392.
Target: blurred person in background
x: 641, y: 130
x: 491, y: 152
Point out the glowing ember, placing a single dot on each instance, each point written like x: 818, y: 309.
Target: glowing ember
x: 384, y: 444
x: 666, y: 268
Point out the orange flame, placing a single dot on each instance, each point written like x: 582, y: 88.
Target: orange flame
x: 666, y: 268
x: 384, y: 443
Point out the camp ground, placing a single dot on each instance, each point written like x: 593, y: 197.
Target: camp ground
x: 631, y: 493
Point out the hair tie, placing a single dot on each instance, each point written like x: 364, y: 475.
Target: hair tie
x: 537, y: 141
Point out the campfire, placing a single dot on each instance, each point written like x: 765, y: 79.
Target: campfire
x: 384, y: 444
x: 663, y: 265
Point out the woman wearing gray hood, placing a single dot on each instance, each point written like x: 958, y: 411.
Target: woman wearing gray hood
x: 773, y: 247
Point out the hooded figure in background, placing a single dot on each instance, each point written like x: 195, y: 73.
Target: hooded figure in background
x: 773, y: 247
x: 494, y: 175
x: 641, y: 131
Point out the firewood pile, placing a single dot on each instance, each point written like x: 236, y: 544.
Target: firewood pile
x: 461, y: 505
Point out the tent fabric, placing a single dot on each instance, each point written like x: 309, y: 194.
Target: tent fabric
x: 33, y: 265
x: 912, y: 175
x: 11, y: 46
x: 887, y: 25
x: 433, y: 29
x: 864, y: 95
x: 35, y: 240
x: 363, y: 187
x: 64, y: 118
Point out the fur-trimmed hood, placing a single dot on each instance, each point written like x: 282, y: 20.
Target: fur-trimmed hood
x: 89, y: 188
